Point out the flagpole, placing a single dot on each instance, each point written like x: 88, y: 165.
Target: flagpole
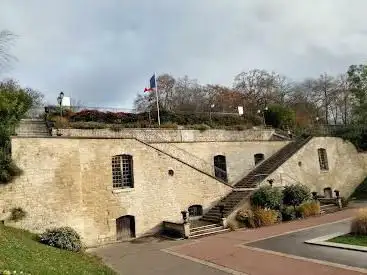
x: 156, y: 94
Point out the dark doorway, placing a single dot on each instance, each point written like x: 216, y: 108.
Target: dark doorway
x: 195, y: 211
x: 328, y: 193
x: 258, y: 158
x: 220, y: 167
x: 125, y: 228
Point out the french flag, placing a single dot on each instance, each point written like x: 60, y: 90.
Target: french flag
x: 153, y: 84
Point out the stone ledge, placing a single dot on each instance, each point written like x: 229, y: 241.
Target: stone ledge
x: 322, y: 241
x: 123, y: 190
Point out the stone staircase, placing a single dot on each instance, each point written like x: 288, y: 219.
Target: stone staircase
x: 230, y: 202
x: 269, y: 165
x: 32, y: 128
x: 243, y: 189
x: 328, y: 205
x: 206, y: 230
x: 329, y: 208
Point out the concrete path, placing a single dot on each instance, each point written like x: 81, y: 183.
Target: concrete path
x: 147, y: 259
x: 238, y: 252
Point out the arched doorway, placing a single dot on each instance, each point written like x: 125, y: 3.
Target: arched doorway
x: 258, y: 158
x: 125, y: 228
x: 220, y: 167
x: 328, y: 193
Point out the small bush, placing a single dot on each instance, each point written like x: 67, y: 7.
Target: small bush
x: 288, y: 213
x: 116, y: 127
x: 17, y: 214
x: 62, y: 237
x: 88, y: 125
x: 11, y: 272
x: 169, y: 125
x: 61, y: 122
x: 200, y: 127
x: 359, y: 223
x: 296, y: 194
x: 267, y: 197
x: 246, y: 217
x: 8, y: 169
x: 265, y: 217
x: 258, y: 217
x: 233, y: 225
x: 308, y: 209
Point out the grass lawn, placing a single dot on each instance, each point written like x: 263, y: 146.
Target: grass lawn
x: 20, y: 251
x: 350, y: 239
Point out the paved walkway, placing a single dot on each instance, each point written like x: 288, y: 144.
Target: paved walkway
x: 227, y: 253
x: 228, y: 250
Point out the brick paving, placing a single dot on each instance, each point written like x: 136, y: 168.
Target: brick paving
x: 224, y: 250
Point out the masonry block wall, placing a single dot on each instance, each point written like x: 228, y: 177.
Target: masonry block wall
x: 68, y: 181
x: 346, y: 167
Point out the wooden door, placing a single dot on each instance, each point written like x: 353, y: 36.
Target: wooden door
x: 125, y: 228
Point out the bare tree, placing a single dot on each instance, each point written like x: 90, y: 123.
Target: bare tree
x: 6, y: 39
x: 260, y: 88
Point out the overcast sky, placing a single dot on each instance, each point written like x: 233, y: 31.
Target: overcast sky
x: 104, y: 52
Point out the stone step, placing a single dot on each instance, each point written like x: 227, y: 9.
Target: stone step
x: 209, y: 233
x: 198, y: 228
x: 206, y: 230
x: 211, y: 219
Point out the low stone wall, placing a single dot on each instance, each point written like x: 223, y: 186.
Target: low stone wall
x: 169, y: 135
x: 181, y: 228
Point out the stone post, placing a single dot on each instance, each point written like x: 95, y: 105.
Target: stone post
x: 223, y: 222
x: 186, y: 230
x: 339, y: 202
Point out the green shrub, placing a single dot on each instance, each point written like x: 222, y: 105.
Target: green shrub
x: 116, y: 127
x: 11, y: 272
x: 288, y: 213
x: 169, y: 125
x: 359, y: 223
x: 309, y: 208
x: 280, y: 116
x: 267, y: 197
x: 296, y: 194
x: 62, y: 237
x: 17, y: 214
x: 200, y: 127
x: 8, y: 169
x: 88, y: 125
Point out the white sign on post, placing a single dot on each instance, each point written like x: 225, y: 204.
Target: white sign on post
x: 240, y: 110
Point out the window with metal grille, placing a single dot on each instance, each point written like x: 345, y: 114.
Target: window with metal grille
x: 195, y: 210
x: 324, y: 165
x: 122, y: 171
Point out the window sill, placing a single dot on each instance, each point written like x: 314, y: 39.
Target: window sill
x: 324, y: 171
x: 122, y: 190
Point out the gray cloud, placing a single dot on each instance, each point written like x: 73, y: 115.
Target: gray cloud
x: 103, y: 52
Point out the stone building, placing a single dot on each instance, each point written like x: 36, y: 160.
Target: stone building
x: 119, y: 185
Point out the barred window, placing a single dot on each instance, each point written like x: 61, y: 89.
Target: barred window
x: 324, y: 165
x: 195, y: 210
x: 122, y: 171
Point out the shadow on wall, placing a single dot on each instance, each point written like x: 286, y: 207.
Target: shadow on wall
x: 360, y: 193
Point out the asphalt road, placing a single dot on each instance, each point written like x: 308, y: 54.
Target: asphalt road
x: 294, y: 244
